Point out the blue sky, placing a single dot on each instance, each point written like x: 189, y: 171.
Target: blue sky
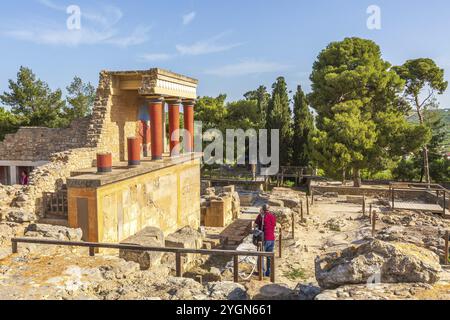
x: 230, y: 46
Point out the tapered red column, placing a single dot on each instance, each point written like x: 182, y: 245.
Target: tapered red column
x: 188, y: 108
x: 174, y: 127
x: 156, y: 112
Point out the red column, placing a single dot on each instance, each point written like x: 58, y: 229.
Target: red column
x: 104, y: 162
x: 156, y: 113
x: 188, y: 108
x: 134, y: 152
x: 174, y: 127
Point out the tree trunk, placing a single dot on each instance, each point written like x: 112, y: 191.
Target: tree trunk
x: 426, y: 166
x: 357, y: 178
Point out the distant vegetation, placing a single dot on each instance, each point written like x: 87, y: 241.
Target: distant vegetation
x: 444, y: 115
x: 31, y: 102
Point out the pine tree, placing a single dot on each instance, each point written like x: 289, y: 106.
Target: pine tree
x: 279, y: 117
x: 302, y: 131
x: 32, y: 100
x: 262, y: 98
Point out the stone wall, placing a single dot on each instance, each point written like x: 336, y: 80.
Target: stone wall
x: 166, y: 198
x: 38, y: 144
x: 220, y: 206
x: 114, y: 118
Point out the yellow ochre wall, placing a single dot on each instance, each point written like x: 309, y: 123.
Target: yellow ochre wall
x: 168, y: 198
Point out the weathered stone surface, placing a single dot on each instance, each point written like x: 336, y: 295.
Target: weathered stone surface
x: 186, y: 238
x: 290, y: 202
x: 148, y: 237
x: 331, y: 195
x: 272, y: 202
x: 53, y: 232
x: 20, y: 216
x: 394, y: 262
x: 307, y: 291
x: 284, y: 216
x: 226, y: 291
x: 383, y: 291
x: 335, y: 224
x: 276, y: 291
x: 355, y: 199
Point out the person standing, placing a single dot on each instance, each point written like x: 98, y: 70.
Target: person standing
x: 266, y: 222
x: 23, y: 178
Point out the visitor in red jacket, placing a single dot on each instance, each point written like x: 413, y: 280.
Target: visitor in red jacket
x: 266, y: 222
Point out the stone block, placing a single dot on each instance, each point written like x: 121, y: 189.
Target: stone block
x: 355, y: 199
x: 149, y: 237
x: 186, y: 238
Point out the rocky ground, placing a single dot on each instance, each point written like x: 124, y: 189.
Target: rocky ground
x: 331, y: 256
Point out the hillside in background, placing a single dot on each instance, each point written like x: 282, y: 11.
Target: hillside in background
x: 445, y: 113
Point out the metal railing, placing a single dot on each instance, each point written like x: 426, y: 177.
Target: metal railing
x: 177, y: 251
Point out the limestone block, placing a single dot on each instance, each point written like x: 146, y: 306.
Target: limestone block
x: 355, y: 199
x: 53, y: 232
x: 229, y: 189
x: 149, y: 237
x: 186, y: 238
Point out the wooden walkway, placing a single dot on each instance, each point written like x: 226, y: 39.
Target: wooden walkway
x: 416, y: 206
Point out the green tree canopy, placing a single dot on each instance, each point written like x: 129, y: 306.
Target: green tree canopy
x: 279, y: 117
x: 212, y: 112
x: 420, y: 75
x: 262, y: 97
x: 32, y: 100
x: 360, y: 117
x: 9, y: 123
x: 80, y: 99
x: 303, y: 129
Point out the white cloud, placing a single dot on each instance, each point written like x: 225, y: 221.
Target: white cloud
x: 188, y: 18
x: 84, y: 36
x: 108, y: 16
x: 247, y: 67
x: 206, y: 46
x: 154, y: 57
x: 98, y: 29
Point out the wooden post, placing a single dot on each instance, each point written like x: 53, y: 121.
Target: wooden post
x: 393, y: 198
x: 293, y: 225
x: 236, y: 268
x: 301, y: 210
x: 14, y: 246
x: 260, y: 263
x: 91, y: 251
x: 272, y: 269
x: 280, y: 244
x: 364, y: 206
x: 307, y: 205
x: 374, y: 222
x: 447, y: 235
x: 443, y: 204
x: 312, y: 196
x: 370, y: 211
x: 178, y: 265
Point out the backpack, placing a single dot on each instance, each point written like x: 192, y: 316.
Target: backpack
x: 257, y: 233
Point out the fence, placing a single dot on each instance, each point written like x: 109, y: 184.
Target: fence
x: 177, y: 251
